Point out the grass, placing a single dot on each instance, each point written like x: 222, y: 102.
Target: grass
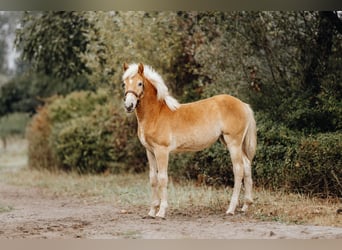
x: 4, y: 209
x: 13, y: 124
x: 185, y: 197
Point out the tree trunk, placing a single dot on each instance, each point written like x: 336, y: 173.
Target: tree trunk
x: 320, y: 54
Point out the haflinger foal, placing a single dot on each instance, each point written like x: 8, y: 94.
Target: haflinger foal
x: 165, y: 126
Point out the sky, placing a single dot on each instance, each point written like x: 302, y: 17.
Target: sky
x: 9, y: 30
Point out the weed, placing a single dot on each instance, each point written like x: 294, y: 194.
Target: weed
x: 4, y: 208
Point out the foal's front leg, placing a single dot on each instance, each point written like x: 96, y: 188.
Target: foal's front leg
x: 154, y: 183
x: 162, y: 158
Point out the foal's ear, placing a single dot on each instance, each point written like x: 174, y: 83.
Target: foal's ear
x: 141, y: 69
x: 125, y: 66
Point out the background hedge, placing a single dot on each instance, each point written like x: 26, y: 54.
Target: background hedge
x: 285, y: 160
x: 86, y: 133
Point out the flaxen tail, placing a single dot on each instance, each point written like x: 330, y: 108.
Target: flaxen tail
x: 250, y: 138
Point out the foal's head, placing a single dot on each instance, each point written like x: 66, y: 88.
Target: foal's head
x: 138, y: 79
x: 134, y: 88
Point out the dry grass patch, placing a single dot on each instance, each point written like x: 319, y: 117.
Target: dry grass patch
x: 5, y: 208
x: 185, y: 198
x: 296, y: 208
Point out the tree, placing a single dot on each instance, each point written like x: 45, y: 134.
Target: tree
x: 321, y: 50
x: 53, y: 42
x: 132, y: 36
x: 296, y: 58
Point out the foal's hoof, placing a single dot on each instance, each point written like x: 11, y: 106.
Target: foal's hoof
x: 230, y: 213
x: 161, y: 214
x: 149, y: 217
x: 160, y: 217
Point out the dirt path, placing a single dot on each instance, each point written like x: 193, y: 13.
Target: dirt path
x: 37, y: 215
x: 33, y: 213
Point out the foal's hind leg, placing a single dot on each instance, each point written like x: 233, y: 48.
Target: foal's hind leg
x: 238, y: 169
x: 247, y: 179
x: 154, y: 183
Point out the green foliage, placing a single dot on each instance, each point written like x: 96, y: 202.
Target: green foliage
x: 211, y: 166
x: 293, y: 84
x: 285, y: 160
x: 275, y: 153
x: 285, y: 64
x: 154, y: 38
x: 53, y: 42
x: 26, y: 92
x: 85, y: 144
x: 319, y: 157
x: 310, y: 165
x: 76, y: 104
x: 13, y: 124
x: 86, y: 133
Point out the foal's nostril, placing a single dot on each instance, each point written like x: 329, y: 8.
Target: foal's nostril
x: 129, y: 108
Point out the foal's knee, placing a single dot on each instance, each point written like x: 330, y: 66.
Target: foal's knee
x: 162, y: 179
x: 153, y: 180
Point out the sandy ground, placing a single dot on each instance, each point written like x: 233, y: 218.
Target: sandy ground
x: 37, y: 215
x: 33, y: 213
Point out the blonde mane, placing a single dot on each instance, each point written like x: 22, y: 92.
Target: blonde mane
x: 157, y: 82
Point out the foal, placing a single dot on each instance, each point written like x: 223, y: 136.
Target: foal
x: 166, y: 126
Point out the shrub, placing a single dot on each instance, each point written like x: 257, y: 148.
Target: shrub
x: 80, y: 147
x: 276, y: 144
x: 40, y: 154
x: 318, y: 165
x: 211, y: 166
x: 285, y: 159
x: 87, y: 133
x: 76, y: 104
x: 96, y: 143
x: 292, y: 161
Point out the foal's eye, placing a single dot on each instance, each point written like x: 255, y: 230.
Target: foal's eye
x: 123, y: 85
x: 140, y: 84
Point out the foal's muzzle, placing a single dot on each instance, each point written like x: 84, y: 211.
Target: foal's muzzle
x: 131, y: 101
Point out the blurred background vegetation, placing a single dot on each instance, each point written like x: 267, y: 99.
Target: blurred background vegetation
x: 66, y: 85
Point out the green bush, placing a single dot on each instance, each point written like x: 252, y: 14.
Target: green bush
x: 275, y: 147
x: 285, y: 159
x: 87, y: 133
x: 26, y: 92
x: 211, y: 166
x: 57, y: 110
x: 296, y: 162
x: 317, y: 167
x: 76, y: 104
x: 97, y: 143
x: 83, y: 144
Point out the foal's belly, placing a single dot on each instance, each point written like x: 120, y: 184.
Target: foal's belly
x: 194, y: 142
